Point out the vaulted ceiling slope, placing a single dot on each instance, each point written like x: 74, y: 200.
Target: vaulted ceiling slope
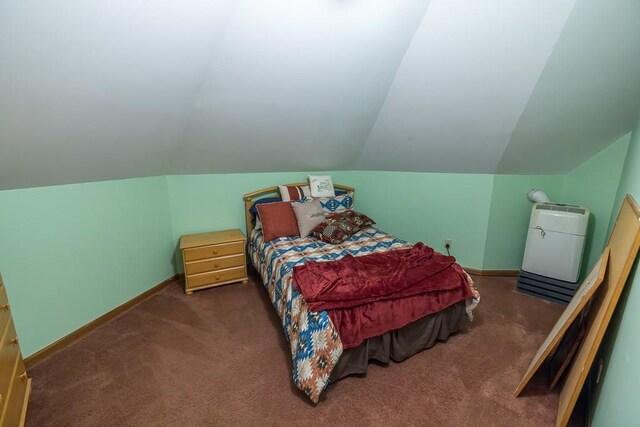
x: 95, y: 90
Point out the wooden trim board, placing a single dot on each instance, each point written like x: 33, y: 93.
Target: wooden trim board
x: 499, y: 273
x: 78, y: 333
x: 624, y: 243
x: 570, y: 313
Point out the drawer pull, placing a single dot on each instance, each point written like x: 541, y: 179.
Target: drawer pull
x: 216, y: 265
x: 4, y: 307
x: 215, y: 252
x: 217, y: 277
x: 23, y: 377
x: 14, y: 341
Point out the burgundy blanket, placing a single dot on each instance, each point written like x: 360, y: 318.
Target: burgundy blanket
x: 369, y: 295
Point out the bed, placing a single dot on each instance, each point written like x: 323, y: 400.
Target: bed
x: 316, y: 348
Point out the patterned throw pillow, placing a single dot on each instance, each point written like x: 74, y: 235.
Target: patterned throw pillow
x: 337, y: 203
x: 334, y: 232
x: 357, y: 218
x: 294, y: 192
x: 339, y: 227
x: 321, y: 186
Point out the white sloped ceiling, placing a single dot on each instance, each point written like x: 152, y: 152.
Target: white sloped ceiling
x: 588, y: 94
x: 297, y: 84
x: 93, y: 90
x: 462, y: 85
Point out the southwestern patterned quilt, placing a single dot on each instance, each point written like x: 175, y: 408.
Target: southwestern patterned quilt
x: 314, y: 341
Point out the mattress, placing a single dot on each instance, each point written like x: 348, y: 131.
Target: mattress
x: 316, y: 349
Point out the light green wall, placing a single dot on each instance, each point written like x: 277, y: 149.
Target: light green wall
x: 594, y: 184
x: 201, y: 203
x: 429, y: 207
x: 485, y: 216
x: 414, y: 206
x: 69, y: 254
x: 213, y: 202
x: 617, y: 397
x: 509, y: 217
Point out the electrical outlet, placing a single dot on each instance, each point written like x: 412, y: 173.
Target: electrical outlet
x: 447, y: 242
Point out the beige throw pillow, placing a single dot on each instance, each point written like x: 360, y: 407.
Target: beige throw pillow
x: 309, y: 215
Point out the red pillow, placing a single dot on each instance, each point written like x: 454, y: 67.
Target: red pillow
x: 338, y: 227
x: 359, y: 219
x: 278, y: 220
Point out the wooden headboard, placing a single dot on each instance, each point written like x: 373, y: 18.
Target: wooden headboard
x: 250, y: 199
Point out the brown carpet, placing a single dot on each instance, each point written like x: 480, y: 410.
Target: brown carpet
x: 219, y: 357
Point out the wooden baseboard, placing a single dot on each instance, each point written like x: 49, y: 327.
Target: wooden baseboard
x: 78, y: 333
x: 500, y: 273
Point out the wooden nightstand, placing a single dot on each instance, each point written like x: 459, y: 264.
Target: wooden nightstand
x: 213, y: 259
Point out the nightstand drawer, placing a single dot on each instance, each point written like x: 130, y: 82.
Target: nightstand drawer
x: 14, y: 411
x: 9, y: 353
x: 214, y: 264
x: 214, y: 277
x: 212, y: 251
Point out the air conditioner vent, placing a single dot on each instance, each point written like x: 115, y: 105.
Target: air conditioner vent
x: 576, y: 210
x: 561, y: 208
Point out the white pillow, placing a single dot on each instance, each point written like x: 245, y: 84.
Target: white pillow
x: 308, y: 215
x: 298, y: 192
x: 321, y: 186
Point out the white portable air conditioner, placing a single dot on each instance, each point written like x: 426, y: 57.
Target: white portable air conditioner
x: 555, y: 241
